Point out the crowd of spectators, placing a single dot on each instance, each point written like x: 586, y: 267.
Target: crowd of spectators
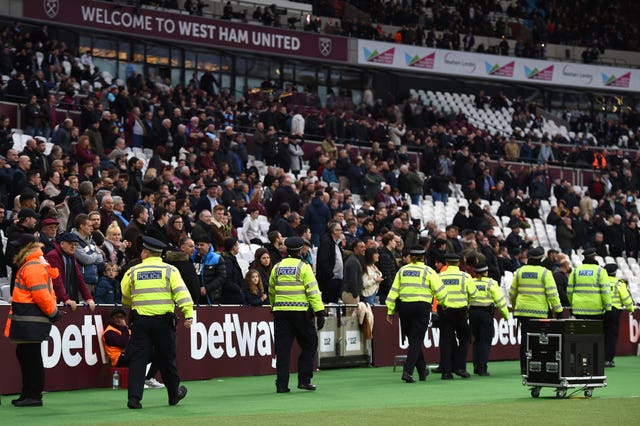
x: 594, y: 24
x: 354, y: 195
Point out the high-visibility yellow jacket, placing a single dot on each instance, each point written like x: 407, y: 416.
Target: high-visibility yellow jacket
x: 589, y: 290
x: 620, y: 296
x: 460, y: 287
x: 489, y: 292
x: 533, y: 291
x: 415, y: 282
x: 293, y: 287
x: 154, y: 288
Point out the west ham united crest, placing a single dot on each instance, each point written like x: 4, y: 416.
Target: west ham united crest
x: 325, y: 45
x: 51, y: 8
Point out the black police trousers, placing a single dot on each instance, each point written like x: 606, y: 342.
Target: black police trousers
x: 414, y: 320
x: 153, y: 337
x: 299, y: 325
x: 453, y: 356
x: 611, y: 330
x: 481, y: 322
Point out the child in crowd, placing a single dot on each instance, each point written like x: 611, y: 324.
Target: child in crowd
x: 108, y: 288
x: 254, y: 289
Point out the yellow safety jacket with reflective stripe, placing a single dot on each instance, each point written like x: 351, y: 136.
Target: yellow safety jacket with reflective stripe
x: 533, y: 291
x: 589, y: 290
x: 460, y: 287
x: 293, y: 287
x: 620, y: 296
x: 153, y: 287
x: 489, y: 293
x: 415, y: 282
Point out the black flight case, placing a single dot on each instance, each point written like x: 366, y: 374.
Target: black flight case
x: 564, y: 354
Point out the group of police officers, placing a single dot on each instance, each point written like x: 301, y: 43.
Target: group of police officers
x: 465, y: 308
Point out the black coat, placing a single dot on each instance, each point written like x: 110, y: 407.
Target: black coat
x: 327, y: 258
x: 232, y: 291
x: 388, y: 266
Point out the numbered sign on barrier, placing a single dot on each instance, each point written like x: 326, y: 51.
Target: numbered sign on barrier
x: 327, y: 342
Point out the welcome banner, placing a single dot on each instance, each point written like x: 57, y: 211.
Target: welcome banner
x: 175, y: 26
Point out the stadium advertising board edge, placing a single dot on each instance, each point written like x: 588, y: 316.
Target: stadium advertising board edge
x: 504, y: 68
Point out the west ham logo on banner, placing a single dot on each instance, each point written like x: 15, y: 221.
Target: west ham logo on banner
x: 325, y: 45
x: 51, y: 8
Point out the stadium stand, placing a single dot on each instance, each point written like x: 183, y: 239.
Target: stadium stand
x: 214, y: 139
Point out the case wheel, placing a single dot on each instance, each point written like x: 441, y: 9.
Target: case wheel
x: 535, y: 392
x: 588, y: 393
x: 561, y: 393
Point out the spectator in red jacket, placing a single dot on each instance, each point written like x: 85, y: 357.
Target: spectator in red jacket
x: 69, y: 285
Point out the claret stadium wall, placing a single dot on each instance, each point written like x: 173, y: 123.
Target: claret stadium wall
x: 227, y: 341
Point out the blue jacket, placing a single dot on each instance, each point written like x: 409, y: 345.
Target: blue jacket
x: 212, y: 276
x: 108, y: 291
x: 317, y: 215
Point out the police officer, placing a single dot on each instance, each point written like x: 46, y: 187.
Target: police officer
x: 481, y: 309
x: 620, y: 298
x: 453, y: 319
x: 533, y: 291
x: 152, y: 289
x: 588, y: 289
x: 411, y: 293
x: 293, y: 293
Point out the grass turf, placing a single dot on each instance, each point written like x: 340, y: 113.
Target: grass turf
x: 347, y: 396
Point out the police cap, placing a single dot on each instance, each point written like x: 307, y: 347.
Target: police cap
x: 294, y: 243
x: 536, y: 253
x: 590, y: 252
x: 452, y: 258
x: 481, y: 267
x: 416, y: 251
x: 611, y: 269
x: 153, y: 245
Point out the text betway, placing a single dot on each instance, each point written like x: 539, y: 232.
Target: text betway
x: 505, y: 333
x: 196, y: 30
x: 231, y: 338
x: 74, y: 344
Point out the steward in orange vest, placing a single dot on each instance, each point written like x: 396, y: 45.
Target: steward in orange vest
x: 116, y: 338
x: 599, y: 161
x: 33, y: 309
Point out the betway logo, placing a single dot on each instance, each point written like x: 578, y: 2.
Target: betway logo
x: 74, y: 344
x: 506, y: 332
x: 231, y: 338
x: 634, y: 330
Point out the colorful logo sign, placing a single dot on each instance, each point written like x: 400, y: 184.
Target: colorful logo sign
x: 500, y: 71
x: 416, y: 61
x: 385, y: 57
x: 545, y: 74
x: 613, y: 81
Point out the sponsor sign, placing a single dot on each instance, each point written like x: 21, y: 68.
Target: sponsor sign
x: 231, y: 341
x: 174, y: 26
x: 477, y: 65
x: 545, y: 74
x: 498, y: 70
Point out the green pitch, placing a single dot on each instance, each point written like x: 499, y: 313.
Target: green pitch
x: 350, y: 396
